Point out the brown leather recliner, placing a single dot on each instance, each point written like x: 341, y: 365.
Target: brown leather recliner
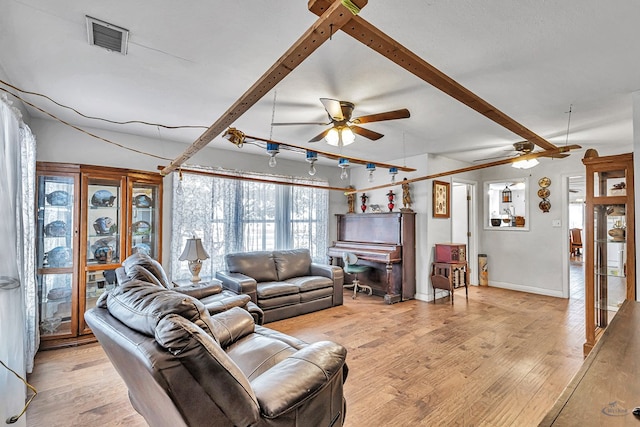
x: 215, y: 299
x: 184, y: 367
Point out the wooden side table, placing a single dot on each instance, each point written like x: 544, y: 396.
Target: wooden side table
x: 449, y: 276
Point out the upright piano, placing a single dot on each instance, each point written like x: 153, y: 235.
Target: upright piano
x: 386, y: 243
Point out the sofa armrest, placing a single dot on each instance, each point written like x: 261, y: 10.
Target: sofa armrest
x: 298, y: 378
x: 334, y: 273
x: 238, y: 283
x: 200, y: 290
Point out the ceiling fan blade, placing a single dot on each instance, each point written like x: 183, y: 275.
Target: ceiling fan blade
x: 379, y: 117
x: 366, y: 133
x: 320, y: 136
x: 333, y: 108
x: 300, y: 123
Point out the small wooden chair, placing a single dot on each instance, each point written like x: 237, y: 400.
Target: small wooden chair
x: 575, y: 241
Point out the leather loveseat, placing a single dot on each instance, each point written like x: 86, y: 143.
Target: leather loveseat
x: 184, y: 367
x: 215, y: 299
x: 283, y: 283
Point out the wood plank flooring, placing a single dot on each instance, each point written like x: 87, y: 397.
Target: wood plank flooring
x: 500, y: 359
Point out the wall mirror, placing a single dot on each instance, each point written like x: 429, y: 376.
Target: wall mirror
x: 506, y: 205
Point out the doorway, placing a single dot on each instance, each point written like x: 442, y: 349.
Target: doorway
x: 575, y: 215
x: 463, y: 222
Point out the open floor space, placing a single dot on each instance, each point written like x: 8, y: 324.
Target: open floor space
x: 500, y: 359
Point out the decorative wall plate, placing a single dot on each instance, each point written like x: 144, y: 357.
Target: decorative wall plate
x: 543, y: 193
x: 544, y: 182
x: 544, y: 205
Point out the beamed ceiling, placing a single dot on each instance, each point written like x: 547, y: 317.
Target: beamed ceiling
x: 187, y: 64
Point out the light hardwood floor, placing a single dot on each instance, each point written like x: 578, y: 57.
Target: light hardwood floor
x: 500, y: 359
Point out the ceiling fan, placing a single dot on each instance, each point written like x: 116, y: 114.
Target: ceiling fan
x: 521, y: 148
x: 344, y: 126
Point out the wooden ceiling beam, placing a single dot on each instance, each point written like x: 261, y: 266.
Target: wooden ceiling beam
x: 332, y: 19
x: 370, y: 36
x: 546, y: 153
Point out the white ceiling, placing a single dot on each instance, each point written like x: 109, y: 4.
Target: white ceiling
x: 188, y: 62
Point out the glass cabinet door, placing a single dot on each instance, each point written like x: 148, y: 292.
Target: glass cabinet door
x: 610, y: 256
x: 56, y: 240
x: 610, y: 264
x: 103, y: 235
x: 145, y: 232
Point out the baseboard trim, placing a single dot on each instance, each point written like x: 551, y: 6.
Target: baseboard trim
x: 528, y: 289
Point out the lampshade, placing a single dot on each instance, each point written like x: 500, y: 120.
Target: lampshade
x: 525, y: 164
x: 193, y: 250
x: 334, y: 136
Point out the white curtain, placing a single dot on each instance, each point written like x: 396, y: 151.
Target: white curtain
x: 235, y: 215
x: 18, y: 298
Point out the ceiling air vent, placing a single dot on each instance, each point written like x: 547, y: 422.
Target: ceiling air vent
x: 108, y: 36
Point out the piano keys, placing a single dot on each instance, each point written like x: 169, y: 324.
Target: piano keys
x: 386, y: 243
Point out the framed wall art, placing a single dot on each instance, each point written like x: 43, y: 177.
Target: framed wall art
x: 441, y: 200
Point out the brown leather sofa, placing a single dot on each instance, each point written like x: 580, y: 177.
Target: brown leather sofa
x: 215, y: 299
x: 283, y: 283
x: 184, y: 367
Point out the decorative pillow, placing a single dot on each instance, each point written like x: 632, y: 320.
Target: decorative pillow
x: 257, y: 265
x: 292, y: 263
x: 141, y: 305
x: 150, y: 264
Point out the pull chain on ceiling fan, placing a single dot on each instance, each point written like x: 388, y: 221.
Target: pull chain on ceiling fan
x: 345, y: 128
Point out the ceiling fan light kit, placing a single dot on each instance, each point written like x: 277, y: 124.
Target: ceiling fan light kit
x: 525, y: 164
x: 340, y: 136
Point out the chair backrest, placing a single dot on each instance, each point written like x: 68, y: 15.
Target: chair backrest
x: 576, y: 236
x: 349, y: 258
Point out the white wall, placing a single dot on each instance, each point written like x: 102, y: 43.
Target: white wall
x: 429, y: 230
x: 532, y: 260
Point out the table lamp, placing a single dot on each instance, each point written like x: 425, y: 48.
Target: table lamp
x: 194, y: 253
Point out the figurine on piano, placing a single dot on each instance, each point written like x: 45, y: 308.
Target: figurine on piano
x: 406, y: 197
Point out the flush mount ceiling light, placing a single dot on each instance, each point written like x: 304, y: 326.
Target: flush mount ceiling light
x: 107, y: 36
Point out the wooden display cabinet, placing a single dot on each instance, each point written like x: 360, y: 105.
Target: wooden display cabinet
x: 89, y: 219
x: 609, y: 254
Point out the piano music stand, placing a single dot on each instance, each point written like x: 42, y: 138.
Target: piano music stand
x: 350, y: 259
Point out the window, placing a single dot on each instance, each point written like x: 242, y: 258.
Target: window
x: 236, y: 215
x: 506, y: 206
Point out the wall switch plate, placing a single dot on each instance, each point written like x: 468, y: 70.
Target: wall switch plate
x: 556, y: 223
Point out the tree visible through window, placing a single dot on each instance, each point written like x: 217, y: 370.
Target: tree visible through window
x: 233, y: 215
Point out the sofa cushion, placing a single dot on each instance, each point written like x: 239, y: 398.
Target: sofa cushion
x: 292, y: 263
x: 283, y: 301
x: 266, y: 290
x: 310, y: 283
x: 257, y: 265
x: 150, y: 264
x: 141, y: 305
x: 316, y: 294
